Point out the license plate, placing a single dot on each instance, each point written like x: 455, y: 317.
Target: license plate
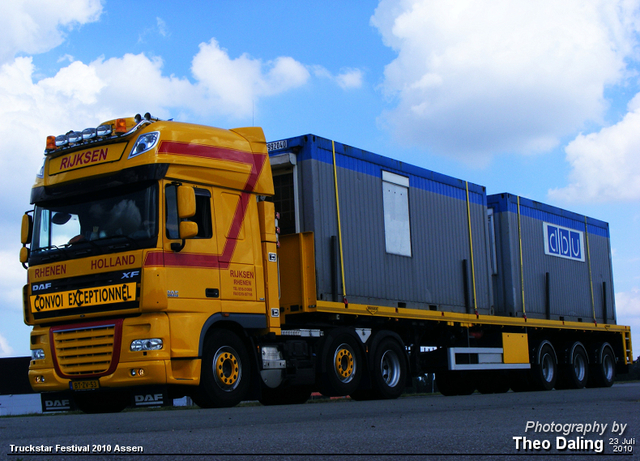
x: 84, y: 385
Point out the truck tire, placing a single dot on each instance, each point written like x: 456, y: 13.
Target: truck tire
x: 602, y: 372
x: 93, y: 402
x: 285, y: 396
x: 226, y: 371
x: 574, y: 374
x: 343, y: 361
x: 544, y: 372
x: 389, y: 370
x: 455, y: 383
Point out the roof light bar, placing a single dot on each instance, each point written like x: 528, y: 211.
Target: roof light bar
x: 88, y: 133
x: 61, y: 140
x: 103, y: 130
x: 74, y: 137
x: 121, y: 126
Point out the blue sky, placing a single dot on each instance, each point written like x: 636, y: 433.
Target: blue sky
x: 539, y: 99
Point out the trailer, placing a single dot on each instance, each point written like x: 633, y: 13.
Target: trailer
x: 168, y: 259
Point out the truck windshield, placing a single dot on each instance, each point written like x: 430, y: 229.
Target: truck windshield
x: 112, y: 222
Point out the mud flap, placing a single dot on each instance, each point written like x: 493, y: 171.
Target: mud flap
x: 57, y: 401
x: 156, y: 396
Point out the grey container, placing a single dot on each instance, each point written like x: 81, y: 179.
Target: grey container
x: 566, y: 262
x: 405, y: 230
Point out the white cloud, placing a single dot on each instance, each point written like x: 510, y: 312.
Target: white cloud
x: 350, y: 78
x: 12, y: 275
x: 347, y: 78
x: 35, y: 26
x: 233, y: 85
x: 605, y: 165
x: 5, y: 349
x: 474, y: 78
x: 162, y: 27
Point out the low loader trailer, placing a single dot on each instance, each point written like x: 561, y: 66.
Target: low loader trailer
x: 169, y: 259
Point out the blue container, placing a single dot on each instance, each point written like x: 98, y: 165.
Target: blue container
x: 405, y: 229
x: 566, y: 271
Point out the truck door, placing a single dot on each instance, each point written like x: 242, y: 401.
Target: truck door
x: 240, y: 255
x: 192, y: 272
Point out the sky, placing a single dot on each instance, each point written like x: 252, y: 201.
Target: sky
x: 540, y: 99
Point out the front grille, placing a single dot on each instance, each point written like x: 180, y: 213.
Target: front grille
x: 88, y: 350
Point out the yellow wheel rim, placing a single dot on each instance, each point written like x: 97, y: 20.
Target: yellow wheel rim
x: 227, y: 369
x: 344, y: 363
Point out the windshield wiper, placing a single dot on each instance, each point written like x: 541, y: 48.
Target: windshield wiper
x: 114, y: 246
x: 53, y: 252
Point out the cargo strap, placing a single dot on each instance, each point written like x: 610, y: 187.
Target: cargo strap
x: 593, y: 304
x: 473, y: 271
x: 524, y: 312
x: 335, y: 180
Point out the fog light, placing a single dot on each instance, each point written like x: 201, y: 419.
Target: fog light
x: 39, y: 379
x: 153, y: 344
x: 137, y: 372
x: 37, y: 354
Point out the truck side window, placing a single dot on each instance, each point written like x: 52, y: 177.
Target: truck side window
x: 202, y: 216
x: 172, y: 212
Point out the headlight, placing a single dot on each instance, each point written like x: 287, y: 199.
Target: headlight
x: 153, y: 344
x: 37, y: 354
x: 144, y: 143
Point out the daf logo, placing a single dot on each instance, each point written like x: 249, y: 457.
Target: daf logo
x: 146, y: 399
x: 57, y: 404
x: 130, y: 275
x: 40, y: 286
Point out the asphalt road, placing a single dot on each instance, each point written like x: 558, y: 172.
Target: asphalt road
x: 421, y: 427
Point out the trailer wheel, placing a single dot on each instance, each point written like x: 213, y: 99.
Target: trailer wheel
x: 92, y: 402
x: 603, y: 371
x: 574, y: 374
x: 343, y: 367
x: 455, y: 383
x: 285, y: 396
x: 226, y: 371
x: 544, y: 371
x: 389, y: 370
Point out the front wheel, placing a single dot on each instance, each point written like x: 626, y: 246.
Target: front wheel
x: 226, y: 371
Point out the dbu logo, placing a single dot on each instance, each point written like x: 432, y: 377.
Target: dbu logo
x: 563, y: 242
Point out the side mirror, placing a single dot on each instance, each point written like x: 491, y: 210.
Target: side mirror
x: 188, y: 229
x: 186, y: 202
x: 27, y: 229
x: 24, y: 255
x: 26, y: 232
